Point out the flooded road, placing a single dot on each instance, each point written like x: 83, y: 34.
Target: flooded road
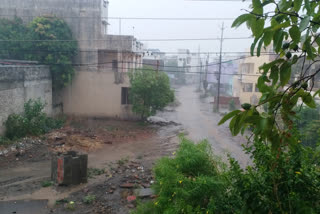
x: 197, y: 117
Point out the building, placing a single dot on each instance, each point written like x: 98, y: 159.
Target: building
x: 100, y: 85
x: 154, y: 58
x: 245, y: 83
x: 228, y: 70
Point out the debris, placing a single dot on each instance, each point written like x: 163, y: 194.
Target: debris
x: 127, y: 185
x: 131, y: 198
x: 160, y: 121
x: 144, y: 193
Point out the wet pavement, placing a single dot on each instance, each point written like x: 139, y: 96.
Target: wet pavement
x: 24, y: 207
x: 197, y: 117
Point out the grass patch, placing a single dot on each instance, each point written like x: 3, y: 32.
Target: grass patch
x: 89, y: 199
x: 92, y: 172
x: 5, y: 141
x: 47, y: 184
x: 123, y: 161
x: 62, y: 201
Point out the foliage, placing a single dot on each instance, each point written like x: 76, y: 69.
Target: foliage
x: 4, y: 141
x: 47, y: 183
x: 89, y: 199
x: 150, y: 91
x: 13, y: 30
x: 191, y: 182
x: 195, y: 181
x: 33, y: 121
x: 36, y: 41
x: 284, y: 178
x: 307, y: 122
x: 92, y: 172
x: 56, y: 54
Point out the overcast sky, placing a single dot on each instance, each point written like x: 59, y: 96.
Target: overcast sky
x: 154, y: 29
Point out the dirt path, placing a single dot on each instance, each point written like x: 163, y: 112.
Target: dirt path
x: 110, y: 142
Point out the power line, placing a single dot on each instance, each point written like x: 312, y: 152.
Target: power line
x: 133, y: 18
x: 171, y: 71
x: 143, y: 40
x: 131, y: 62
x: 137, y: 52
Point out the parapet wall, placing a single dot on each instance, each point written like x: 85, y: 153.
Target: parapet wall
x: 18, y: 84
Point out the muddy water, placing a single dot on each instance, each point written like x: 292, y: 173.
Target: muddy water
x: 197, y: 117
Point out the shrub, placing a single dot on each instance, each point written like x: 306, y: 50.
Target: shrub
x: 150, y: 91
x: 33, y: 121
x: 197, y: 182
x: 188, y: 183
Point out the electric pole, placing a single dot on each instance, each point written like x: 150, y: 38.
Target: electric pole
x: 199, y: 68
x: 220, y: 64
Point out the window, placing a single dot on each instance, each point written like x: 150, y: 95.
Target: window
x: 125, y: 96
x: 247, y: 87
x: 247, y: 68
x: 115, y: 65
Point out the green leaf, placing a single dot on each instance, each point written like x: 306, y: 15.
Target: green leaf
x: 267, y: 37
x: 257, y: 27
x: 241, y: 19
x: 259, y: 47
x: 297, y: 5
x: 228, y: 116
x: 277, y: 40
x: 295, y: 33
x: 274, y: 75
x: 257, y: 7
x: 304, y: 23
x: 285, y: 73
x: 281, y: 26
x: 253, y: 46
x: 308, y: 100
x: 315, y: 94
x: 307, y: 6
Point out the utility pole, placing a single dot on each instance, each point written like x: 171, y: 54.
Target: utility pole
x: 199, y: 68
x: 220, y: 64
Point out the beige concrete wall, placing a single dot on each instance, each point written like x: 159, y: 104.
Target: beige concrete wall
x: 95, y: 94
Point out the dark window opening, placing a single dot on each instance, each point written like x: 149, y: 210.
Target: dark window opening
x: 115, y: 65
x: 125, y: 96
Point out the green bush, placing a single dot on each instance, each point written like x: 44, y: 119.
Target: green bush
x: 197, y: 182
x: 33, y: 121
x: 188, y: 183
x: 150, y: 91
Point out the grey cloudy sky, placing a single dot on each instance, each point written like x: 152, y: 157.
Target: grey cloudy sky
x: 151, y: 29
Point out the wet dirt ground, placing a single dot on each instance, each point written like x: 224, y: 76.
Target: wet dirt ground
x: 119, y: 148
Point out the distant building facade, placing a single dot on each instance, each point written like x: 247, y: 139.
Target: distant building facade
x: 245, y: 83
x: 228, y: 70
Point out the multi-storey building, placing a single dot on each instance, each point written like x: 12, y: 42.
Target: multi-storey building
x: 100, y: 85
